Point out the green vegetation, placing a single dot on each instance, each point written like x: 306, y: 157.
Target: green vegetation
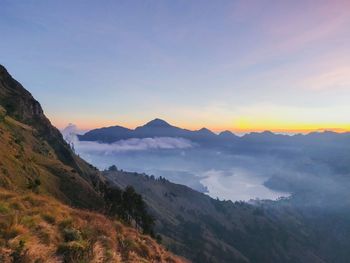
x: 206, y: 230
x: 2, y: 114
x: 129, y: 206
x: 34, y: 185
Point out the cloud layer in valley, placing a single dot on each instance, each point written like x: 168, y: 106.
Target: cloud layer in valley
x: 134, y: 144
x: 264, y: 166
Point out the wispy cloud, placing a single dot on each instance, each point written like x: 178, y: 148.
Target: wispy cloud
x: 337, y: 78
x: 133, y: 144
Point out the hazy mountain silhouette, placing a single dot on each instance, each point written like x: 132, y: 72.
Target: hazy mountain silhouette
x: 154, y: 128
x: 254, y: 141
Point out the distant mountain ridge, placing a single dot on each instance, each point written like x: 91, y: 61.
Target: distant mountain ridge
x: 154, y: 128
x: 161, y: 128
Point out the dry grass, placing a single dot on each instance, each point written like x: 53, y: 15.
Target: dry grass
x: 26, y: 158
x: 52, y: 232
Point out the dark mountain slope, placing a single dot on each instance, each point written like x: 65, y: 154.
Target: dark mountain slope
x: 206, y: 230
x: 108, y: 134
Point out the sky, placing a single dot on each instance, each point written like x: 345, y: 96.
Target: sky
x: 225, y: 65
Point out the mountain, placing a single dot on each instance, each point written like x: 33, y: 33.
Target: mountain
x: 161, y: 128
x: 157, y: 123
x: 34, y: 150
x: 38, y: 228
x: 108, y: 135
x: 207, y: 230
x: 51, y: 200
x: 158, y: 128
x: 54, y: 205
x: 227, y: 134
x: 154, y: 128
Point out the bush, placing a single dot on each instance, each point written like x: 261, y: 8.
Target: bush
x: 49, y: 218
x: 71, y: 234
x: 12, y: 232
x: 66, y: 223
x: 34, y: 185
x: 19, y: 255
x: 75, y: 251
x: 29, y: 221
x: 2, y: 114
x: 4, y: 209
x: 113, y: 168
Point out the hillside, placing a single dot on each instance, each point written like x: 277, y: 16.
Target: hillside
x: 37, y: 228
x: 207, y: 230
x: 50, y: 199
x: 34, y: 151
x: 44, y: 186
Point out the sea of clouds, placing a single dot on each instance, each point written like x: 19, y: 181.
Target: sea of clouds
x: 221, y: 175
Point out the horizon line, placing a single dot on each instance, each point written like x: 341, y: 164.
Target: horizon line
x: 236, y: 131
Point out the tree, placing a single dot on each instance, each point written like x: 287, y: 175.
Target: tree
x: 34, y: 185
x: 113, y: 168
x: 130, y: 207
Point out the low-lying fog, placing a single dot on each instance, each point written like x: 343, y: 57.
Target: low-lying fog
x: 249, y: 169
x: 222, y: 175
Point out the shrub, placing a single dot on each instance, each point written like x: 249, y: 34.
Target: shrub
x: 2, y: 114
x: 71, y: 234
x: 19, y: 255
x: 66, y: 223
x: 12, y: 232
x: 34, y: 185
x: 44, y: 236
x: 75, y: 251
x: 113, y: 168
x: 28, y: 221
x: 4, y: 209
x: 159, y: 239
x: 49, y: 218
x: 17, y: 206
x: 144, y: 251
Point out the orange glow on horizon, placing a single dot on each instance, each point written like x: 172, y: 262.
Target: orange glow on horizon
x: 239, y: 128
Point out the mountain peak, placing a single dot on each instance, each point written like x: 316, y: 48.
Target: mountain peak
x: 227, y: 133
x: 205, y: 131
x: 3, y: 69
x: 267, y: 133
x: 157, y: 123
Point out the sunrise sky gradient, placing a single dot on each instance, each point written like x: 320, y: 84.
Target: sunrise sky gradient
x: 238, y: 65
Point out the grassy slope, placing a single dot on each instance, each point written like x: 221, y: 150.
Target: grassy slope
x: 25, y: 157
x: 54, y: 232
x: 36, y: 225
x: 32, y: 148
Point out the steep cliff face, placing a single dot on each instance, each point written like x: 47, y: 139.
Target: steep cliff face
x: 20, y: 105
x: 32, y: 150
